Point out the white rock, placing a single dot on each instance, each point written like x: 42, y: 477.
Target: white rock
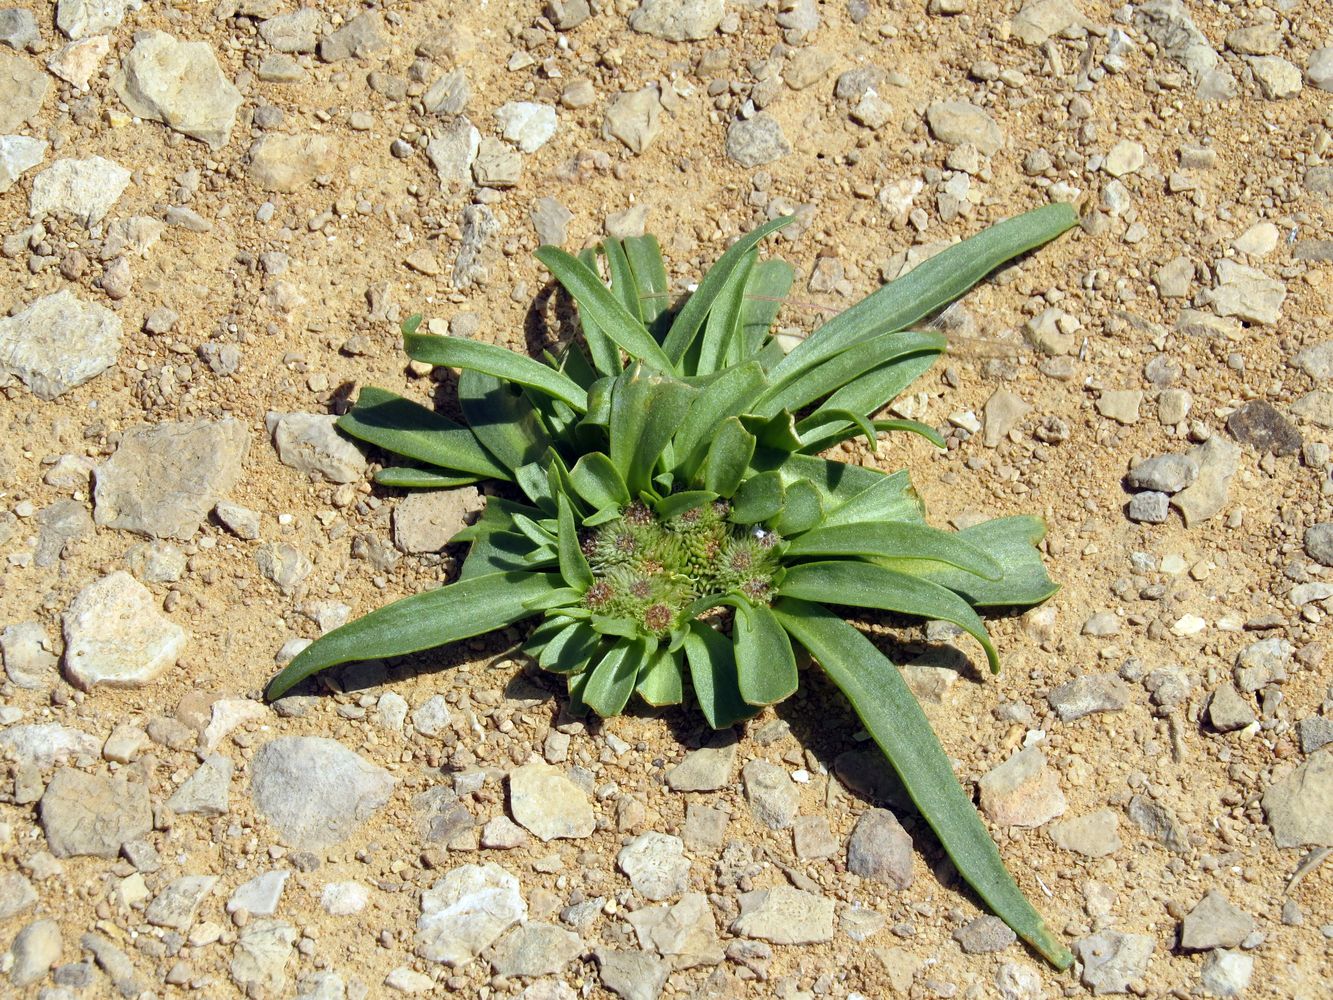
x: 310, y: 443
x: 1125, y: 158
x: 177, y: 905
x: 1247, y: 292
x: 77, y: 62
x: 1257, y: 241
x: 115, y: 635
x: 527, y: 124
x: 85, y: 189
x: 46, y: 744
x: 431, y: 716
x: 179, y: 84
x: 656, y: 865
x: 548, y: 804
x: 678, y: 20
x: 19, y: 153
x: 207, y: 792
x: 259, y: 897
x: 342, y: 899
x: 466, y: 911
x: 80, y: 18
x: 227, y: 715
x: 58, y: 343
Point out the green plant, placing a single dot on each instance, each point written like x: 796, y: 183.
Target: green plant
x: 674, y: 492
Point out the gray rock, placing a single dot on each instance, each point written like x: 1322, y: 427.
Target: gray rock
x: 164, y: 479
x: 1228, y: 711
x: 631, y: 975
x: 529, y: 125
x: 1263, y: 427
x: 1002, y: 414
x: 806, y: 67
x: 784, y: 915
x: 1300, y: 807
x: 503, y: 834
x: 880, y: 849
x: 567, y: 15
x: 240, y: 521
x: 1227, y: 973
x: 1217, y: 460
x: 310, y: 443
x: 535, y: 949
x: 1159, y: 823
x: 1165, y: 473
x: 314, y: 791
x: 207, y: 792
x: 321, y: 986
x: 19, y: 154
x: 294, y: 32
x: 81, y: 18
x: 656, y: 865
x: 685, y: 933
x: 756, y: 141
x: 1168, y: 25
x: 1088, y: 694
x: 704, y: 770
x: 284, y: 163
x: 1278, y: 79
x: 18, y: 29
x: 496, y: 165
x: 1214, y: 923
x: 1262, y: 663
x: 1112, y: 960
x: 983, y: 935
x: 450, y: 95
x: 342, y: 899
x: 114, y: 635
x: 1040, y: 19
x: 259, y: 960
x: 23, y: 90
x: 465, y: 912
x: 16, y: 894
x: 678, y: 20
x: 1316, y: 361
x: 29, y: 663
x: 1319, y: 70
x: 1149, y: 508
x: 441, y: 818
x: 35, y: 950
x: 46, y: 744
x: 177, y: 905
x: 84, y: 814
x: 772, y: 795
x: 58, y: 343
x: 551, y: 221
x: 1022, y: 791
x: 1316, y: 407
x: 156, y: 562
x: 363, y: 36
x: 1247, y: 293
x: 956, y: 123
x: 115, y: 963
x: 479, y: 226
x: 427, y: 520
x: 284, y: 564
x: 813, y: 838
x: 431, y: 717
x: 1120, y: 405
x: 179, y: 84
x: 705, y: 827
x: 872, y: 111
x: 549, y: 805
x: 84, y: 189
x: 453, y: 152
x: 1315, y: 732
x: 634, y: 117
x: 259, y: 897
x: 1094, y: 836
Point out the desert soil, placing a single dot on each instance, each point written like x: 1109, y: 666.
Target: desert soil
x: 273, y: 198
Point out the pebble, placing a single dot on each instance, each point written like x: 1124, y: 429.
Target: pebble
x: 678, y: 20
x: 19, y: 154
x: 259, y: 897
x: 1149, y: 508
x: 1263, y: 427
x: 1228, y: 711
x: 1262, y: 663
x: 466, y: 911
x: 77, y: 62
x: 497, y: 165
x: 535, y: 949
x: 1300, y: 806
x: 34, y: 951
x: 1319, y: 543
x: 240, y: 521
x: 23, y: 89
x: 685, y: 933
x: 314, y: 791
x: 1088, y: 694
x: 114, y: 635
x: 1319, y: 69
x: 1227, y: 973
x: 1022, y: 791
x: 310, y: 443
x: 453, y: 152
x: 1120, y: 405
x: 29, y: 663
x: 342, y: 899
x: 1165, y: 474
x: 551, y: 220
x: 294, y: 32
x: 656, y: 865
x: 1040, y: 19
x: 16, y: 894
x: 1316, y: 732
x: 1214, y: 923
x: 1095, y: 835
x: 80, y: 18
x: 503, y: 834
x: 704, y: 770
x: 756, y: 141
x: 451, y: 94
x: 179, y: 84
x: 86, y: 814
x: 43, y: 745
x: 1316, y: 407
x: 881, y: 849
x: 635, y: 118
x: 784, y: 915
x: 772, y: 795
x: 259, y: 960
x: 1002, y: 414
x: 549, y: 805
x: 705, y: 827
x: 527, y: 124
x: 1112, y: 960
x: 1159, y: 823
x: 1125, y: 158
x: 285, y: 163
x: 1317, y: 360
x: 956, y: 123
x: 207, y: 792
x: 177, y: 905
x: 165, y: 478
x: 426, y: 521
x: 984, y: 934
x: 405, y: 980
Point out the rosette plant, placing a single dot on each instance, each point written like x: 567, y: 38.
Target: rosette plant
x: 669, y: 524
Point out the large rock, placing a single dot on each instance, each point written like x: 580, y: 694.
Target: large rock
x: 164, y: 479
x: 678, y: 20
x: 1300, y: 807
x: 772, y: 795
x: 548, y: 804
x: 23, y: 88
x: 314, y: 791
x: 85, y: 189
x: 1214, y: 923
x: 655, y: 864
x: 466, y: 911
x: 179, y: 84
x: 259, y: 962
x: 1112, y: 960
x: 535, y: 949
x: 35, y: 949
x: 45, y: 744
x: 685, y: 933
x: 59, y: 342
x: 284, y: 163
x: 115, y: 635
x: 93, y: 815
x: 81, y: 18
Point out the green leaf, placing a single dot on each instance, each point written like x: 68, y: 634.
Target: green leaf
x: 895, y: 721
x: 612, y: 680
x: 597, y: 480
x: 570, y: 649
x: 765, y: 664
x: 912, y: 427
x: 423, y: 621
x: 536, y: 484
x: 622, y: 278
x: 884, y: 498
x: 412, y: 478
x: 455, y: 352
x: 880, y: 386
x: 650, y: 278
x: 606, y: 311
x: 543, y: 634
x: 769, y: 284
x: 776, y: 432
x: 758, y: 498
x: 928, y: 287
x: 864, y: 585
x: 678, y: 503
x: 728, y: 457
x: 837, y: 482
x: 896, y: 540
x: 1012, y: 542
x: 727, y: 395
x: 573, y: 564
x: 560, y: 598
x: 723, y: 326
x: 410, y: 324
x: 660, y: 682
x: 712, y: 661
x: 403, y: 427
x: 502, y: 419
x: 605, y: 354
x: 801, y: 511
x: 496, y: 552
x: 686, y: 325
x: 646, y: 410
x: 834, y: 426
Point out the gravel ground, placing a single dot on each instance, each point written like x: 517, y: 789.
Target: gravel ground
x: 215, y: 215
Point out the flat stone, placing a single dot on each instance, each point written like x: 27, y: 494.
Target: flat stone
x: 1112, y: 960
x: 1319, y: 69
x: 1120, y: 405
x: 772, y: 795
x: 550, y: 806
x: 177, y: 905
x: 1164, y: 473
x: 179, y: 84
x: 441, y: 818
x: 1174, y: 278
x: 29, y: 662
x: 1319, y: 543
x: 1300, y: 807
x: 323, y: 986
x: 1124, y: 158
x: 342, y: 899
x: 240, y: 521
x: 18, y: 155
x: 1247, y: 293
x: 46, y: 744
x: 631, y: 975
x: 496, y: 165
x: 1316, y: 407
x: 259, y: 960
x: 283, y: 564
x: 656, y: 865
x: 77, y: 62
x: 23, y: 88
x: 678, y: 20
x: 1227, y: 973
x: 704, y: 770
x: 80, y: 18
x: 58, y: 343
x: 362, y: 37
x: 1088, y: 694
x: 16, y: 895
x: 527, y: 124
x: 259, y: 897
x: 314, y: 791
x: 207, y: 792
x: 164, y: 479
x: 784, y: 915
x: 115, y: 963
x: 813, y: 838
x: 956, y: 123
x: 84, y: 189
x: 635, y: 118
x: 1262, y: 663
x: 806, y: 67
x: 872, y: 111
x: 432, y: 716
x: 1317, y: 360
x: 881, y: 849
x: 983, y: 935
x: 294, y: 32
x: 1259, y: 240
x: 465, y: 912
x: 1316, y: 732
x: 685, y: 933
x: 756, y: 141
x: 1095, y: 835
x: 453, y: 152
x: 1278, y: 79
x: 1217, y: 460
x: 18, y: 29
x: 502, y: 834
x: 114, y: 635
x: 1002, y: 414
x: 34, y: 951
x: 1228, y: 711
x: 1214, y: 923
x: 705, y: 827
x: 1022, y: 791
x: 1040, y: 19
x: 1168, y: 24
x: 551, y: 220
x: 1263, y: 427
x: 285, y: 163
x: 310, y: 443
x: 1159, y: 823
x: 426, y: 521
x: 1150, y: 507
x: 228, y: 714
x: 451, y: 94
x: 92, y: 815
x: 535, y: 949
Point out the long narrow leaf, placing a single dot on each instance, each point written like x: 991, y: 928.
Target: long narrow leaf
x: 573, y: 563
x: 613, y: 679
x: 884, y: 498
x: 886, y: 707
x: 604, y: 351
x: 712, y: 660
x: 880, y: 386
x: 597, y: 481
x: 726, y: 396
x: 403, y: 427
x: 650, y: 279
x: 502, y: 419
x: 622, y: 278
x: 646, y: 410
x: 769, y: 283
x: 765, y: 664
x: 422, y: 621
x: 896, y: 540
x: 455, y: 352
x: 409, y: 477
x: 728, y: 457
x: 722, y: 328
